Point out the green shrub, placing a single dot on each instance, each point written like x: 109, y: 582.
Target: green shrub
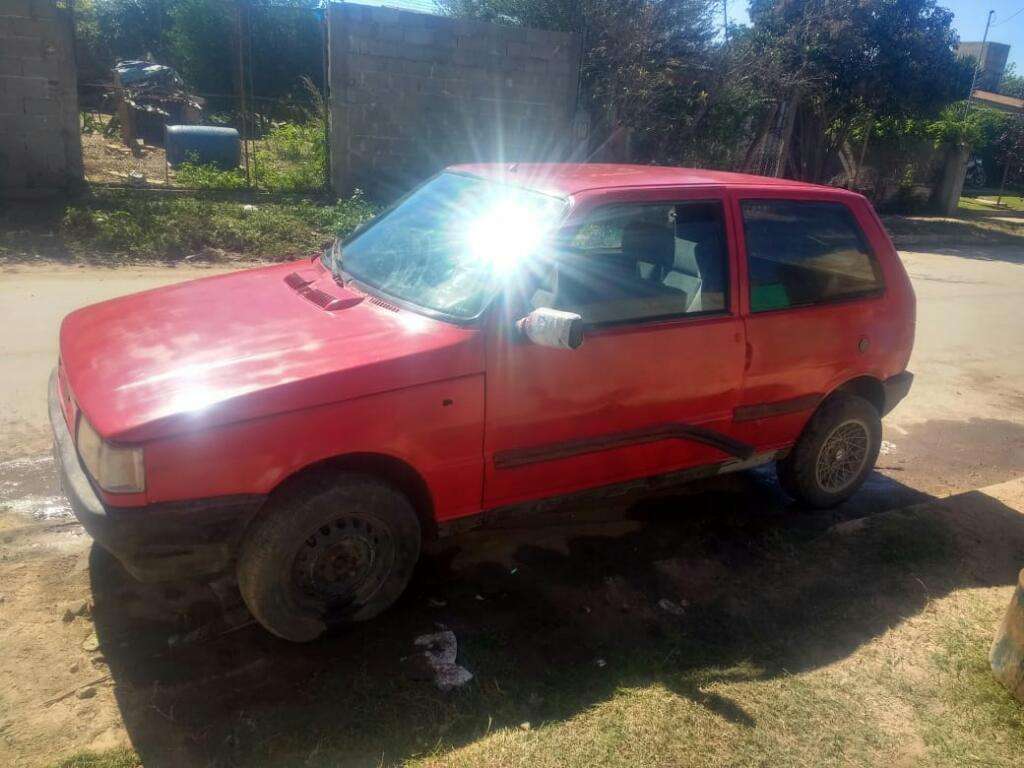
x: 291, y: 157
x: 195, y: 176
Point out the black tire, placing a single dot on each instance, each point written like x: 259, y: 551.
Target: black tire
x: 813, y: 472
x: 335, y: 548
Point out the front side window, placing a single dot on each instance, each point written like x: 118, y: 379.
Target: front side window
x: 636, y: 262
x: 805, y: 252
x: 450, y: 245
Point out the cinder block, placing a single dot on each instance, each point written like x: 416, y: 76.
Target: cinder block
x: 30, y: 124
x: 522, y: 50
x: 9, y: 65
x: 48, y: 67
x: 10, y: 106
x: 391, y: 32
x: 23, y: 47
x: 418, y: 36
x: 28, y: 27
x: 563, y: 51
x: 417, y: 68
x: 16, y: 8
x: 25, y: 87
x: 388, y: 15
x: 34, y: 106
x: 40, y: 9
x: 533, y: 66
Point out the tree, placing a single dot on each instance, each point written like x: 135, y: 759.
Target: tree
x: 835, y: 63
x: 1009, y: 150
x: 1012, y: 84
x: 199, y: 38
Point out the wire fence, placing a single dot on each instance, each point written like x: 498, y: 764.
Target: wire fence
x: 268, y: 84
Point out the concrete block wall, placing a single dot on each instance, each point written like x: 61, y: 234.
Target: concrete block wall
x: 40, y: 143
x: 411, y: 93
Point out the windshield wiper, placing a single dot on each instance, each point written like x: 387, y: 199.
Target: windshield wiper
x: 332, y: 260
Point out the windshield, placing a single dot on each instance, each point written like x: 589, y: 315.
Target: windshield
x: 449, y: 245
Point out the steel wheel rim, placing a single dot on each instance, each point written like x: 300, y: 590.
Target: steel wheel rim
x: 344, y: 562
x: 842, y: 456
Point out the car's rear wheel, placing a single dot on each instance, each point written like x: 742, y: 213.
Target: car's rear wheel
x: 332, y: 549
x: 835, y: 452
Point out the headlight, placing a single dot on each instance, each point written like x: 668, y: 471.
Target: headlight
x: 115, y: 469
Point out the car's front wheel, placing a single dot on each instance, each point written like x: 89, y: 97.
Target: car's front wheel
x: 332, y: 549
x: 835, y: 452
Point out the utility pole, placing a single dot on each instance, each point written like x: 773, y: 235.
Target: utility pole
x: 977, y: 66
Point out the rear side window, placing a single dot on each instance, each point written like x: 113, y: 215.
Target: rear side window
x: 805, y: 252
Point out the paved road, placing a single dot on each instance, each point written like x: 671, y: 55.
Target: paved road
x: 32, y: 302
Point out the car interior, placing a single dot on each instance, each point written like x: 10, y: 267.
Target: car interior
x: 802, y: 253
x: 633, y: 262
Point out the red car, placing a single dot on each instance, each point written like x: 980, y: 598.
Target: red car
x: 504, y: 334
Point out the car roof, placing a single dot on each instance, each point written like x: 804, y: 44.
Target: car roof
x: 571, y: 178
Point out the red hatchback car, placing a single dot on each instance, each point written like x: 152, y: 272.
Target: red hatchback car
x: 502, y: 335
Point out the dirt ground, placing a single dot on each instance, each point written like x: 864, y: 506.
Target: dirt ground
x: 553, y: 614
x: 108, y: 160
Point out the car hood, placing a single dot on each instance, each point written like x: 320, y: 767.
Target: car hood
x: 246, y: 345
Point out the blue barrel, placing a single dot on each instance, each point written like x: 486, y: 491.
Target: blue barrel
x: 203, y: 145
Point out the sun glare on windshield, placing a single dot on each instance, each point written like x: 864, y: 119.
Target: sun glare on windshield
x: 453, y: 243
x: 504, y: 234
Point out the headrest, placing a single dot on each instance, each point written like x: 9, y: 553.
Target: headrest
x: 643, y: 241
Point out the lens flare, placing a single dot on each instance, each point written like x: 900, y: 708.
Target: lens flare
x: 504, y: 234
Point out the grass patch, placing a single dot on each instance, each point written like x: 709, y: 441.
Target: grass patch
x: 986, y: 201
x: 117, y: 758
x: 970, y: 228
x: 981, y: 723
x: 132, y: 227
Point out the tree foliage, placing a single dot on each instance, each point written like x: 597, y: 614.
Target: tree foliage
x: 661, y: 68
x: 794, y: 91
x: 840, y: 62
x: 1012, y: 84
x: 1009, y: 149
x: 199, y: 38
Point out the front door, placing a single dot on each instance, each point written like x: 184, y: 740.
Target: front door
x: 654, y: 385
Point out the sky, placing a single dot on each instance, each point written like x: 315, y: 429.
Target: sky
x: 969, y: 20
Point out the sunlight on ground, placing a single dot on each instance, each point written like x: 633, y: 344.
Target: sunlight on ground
x: 921, y: 694
x: 986, y: 201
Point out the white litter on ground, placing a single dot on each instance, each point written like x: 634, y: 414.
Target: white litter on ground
x: 671, y: 607
x: 887, y: 448
x: 440, y: 652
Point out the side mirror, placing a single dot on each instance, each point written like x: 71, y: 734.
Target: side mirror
x: 552, y: 328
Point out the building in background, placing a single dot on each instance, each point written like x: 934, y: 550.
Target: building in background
x: 993, y: 57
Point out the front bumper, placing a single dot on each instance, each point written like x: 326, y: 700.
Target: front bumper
x: 156, y: 542
x: 895, y: 388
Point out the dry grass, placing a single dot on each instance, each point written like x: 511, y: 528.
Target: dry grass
x: 920, y: 695
x: 862, y: 646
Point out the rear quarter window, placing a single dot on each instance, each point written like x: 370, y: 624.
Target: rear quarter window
x: 806, y: 252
